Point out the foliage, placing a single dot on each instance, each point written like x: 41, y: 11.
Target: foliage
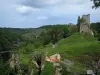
x: 48, y: 69
x: 4, y: 67
x: 46, y: 34
x: 8, y: 41
x: 37, y: 62
x: 96, y: 29
x: 72, y: 29
x: 96, y: 3
x: 55, y: 33
x: 69, y: 44
x: 78, y: 24
x: 82, y: 20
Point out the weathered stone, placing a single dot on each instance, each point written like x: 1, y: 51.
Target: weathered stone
x: 55, y: 59
x: 85, y: 25
x: 90, y: 72
x: 68, y: 62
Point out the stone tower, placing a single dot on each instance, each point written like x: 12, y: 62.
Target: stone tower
x: 86, y: 17
x: 85, y: 24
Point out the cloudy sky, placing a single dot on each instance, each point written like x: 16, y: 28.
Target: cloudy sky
x: 35, y: 13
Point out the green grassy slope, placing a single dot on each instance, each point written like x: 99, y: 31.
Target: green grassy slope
x: 74, y: 45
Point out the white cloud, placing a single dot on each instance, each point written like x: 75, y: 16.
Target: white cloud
x: 42, y: 18
x: 75, y: 7
x: 74, y: 1
x: 40, y: 3
x: 26, y: 9
x: 50, y: 2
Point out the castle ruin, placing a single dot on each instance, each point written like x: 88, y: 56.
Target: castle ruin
x: 84, y: 24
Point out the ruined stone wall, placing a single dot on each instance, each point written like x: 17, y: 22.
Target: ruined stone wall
x: 86, y: 18
x: 85, y: 26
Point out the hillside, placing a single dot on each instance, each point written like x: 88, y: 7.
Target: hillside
x: 68, y: 44
x: 75, y: 45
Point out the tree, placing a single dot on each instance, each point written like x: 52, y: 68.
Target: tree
x: 45, y: 38
x: 78, y: 24
x: 54, y: 33
x: 58, y: 32
x: 5, y: 46
x: 96, y: 29
x: 8, y: 38
x: 96, y: 3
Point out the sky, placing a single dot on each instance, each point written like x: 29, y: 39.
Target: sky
x: 36, y: 13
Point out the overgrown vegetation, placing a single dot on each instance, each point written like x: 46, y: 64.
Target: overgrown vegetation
x: 26, y: 42
x: 96, y: 29
x: 96, y: 3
